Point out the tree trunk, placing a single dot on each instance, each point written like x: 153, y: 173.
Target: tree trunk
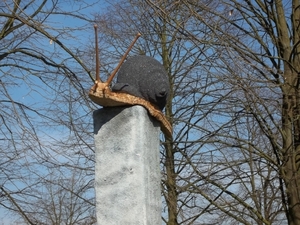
x: 172, y: 194
x: 291, y: 151
x: 171, y: 185
x: 289, y: 50
x: 291, y: 174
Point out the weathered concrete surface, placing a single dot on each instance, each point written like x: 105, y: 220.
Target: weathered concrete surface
x: 127, y: 179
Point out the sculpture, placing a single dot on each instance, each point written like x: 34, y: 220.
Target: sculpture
x: 101, y: 94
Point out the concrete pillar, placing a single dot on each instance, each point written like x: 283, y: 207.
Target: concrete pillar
x: 127, y: 171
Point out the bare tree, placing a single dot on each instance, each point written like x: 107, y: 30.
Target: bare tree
x: 233, y: 69
x: 259, y: 52
x: 44, y: 111
x: 63, y: 199
x: 256, y: 133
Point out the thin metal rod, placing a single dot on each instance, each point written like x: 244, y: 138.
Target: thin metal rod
x: 97, y: 55
x: 122, y: 59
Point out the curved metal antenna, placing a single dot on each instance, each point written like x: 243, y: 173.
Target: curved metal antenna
x: 97, y: 55
x: 122, y: 59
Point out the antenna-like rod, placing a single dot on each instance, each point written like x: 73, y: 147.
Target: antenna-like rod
x: 123, y: 59
x: 97, y: 55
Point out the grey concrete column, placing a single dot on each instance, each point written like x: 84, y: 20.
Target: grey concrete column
x: 127, y: 171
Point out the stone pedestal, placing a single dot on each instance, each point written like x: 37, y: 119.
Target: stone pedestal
x: 127, y: 171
